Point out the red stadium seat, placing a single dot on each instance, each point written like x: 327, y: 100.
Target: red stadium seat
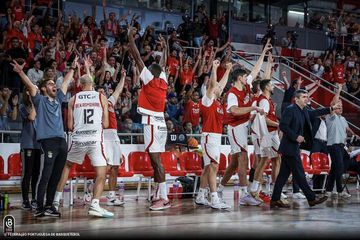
x: 170, y: 162
x: 320, y: 165
x: 191, y: 162
x: 305, y: 159
x: 3, y: 176
x: 85, y: 170
x: 222, y: 165
x: 140, y: 163
x: 15, y: 165
x: 122, y: 170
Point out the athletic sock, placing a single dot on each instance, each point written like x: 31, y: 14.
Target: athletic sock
x: 95, y: 202
x: 220, y: 187
x: 57, y: 196
x: 201, y: 192
x: 214, y: 197
x: 243, y: 191
x: 254, y: 186
x: 162, y: 190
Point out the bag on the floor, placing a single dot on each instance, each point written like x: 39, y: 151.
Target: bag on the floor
x: 187, y: 184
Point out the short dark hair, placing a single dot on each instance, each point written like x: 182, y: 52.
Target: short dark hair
x: 264, y: 83
x: 238, y: 72
x: 155, y: 69
x: 255, y: 85
x: 299, y: 92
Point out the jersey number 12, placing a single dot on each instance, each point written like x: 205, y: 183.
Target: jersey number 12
x: 88, y: 113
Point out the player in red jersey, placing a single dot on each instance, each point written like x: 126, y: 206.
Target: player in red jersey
x: 212, y: 113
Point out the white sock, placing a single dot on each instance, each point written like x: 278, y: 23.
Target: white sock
x: 254, y: 186
x: 58, y: 196
x: 243, y: 191
x: 163, y: 192
x: 95, y: 202
x: 112, y: 194
x: 220, y: 187
x: 214, y: 197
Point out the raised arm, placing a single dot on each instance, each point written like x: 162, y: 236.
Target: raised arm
x: 213, y: 82
x: 133, y: 49
x: 268, y: 69
x: 256, y: 69
x: 120, y: 85
x: 105, y: 117
x: 70, y: 120
x: 225, y: 77
x: 69, y: 76
x: 164, y: 55
x: 24, y: 78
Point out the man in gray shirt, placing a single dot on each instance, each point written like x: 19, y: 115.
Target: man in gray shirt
x: 337, y: 130
x: 50, y: 134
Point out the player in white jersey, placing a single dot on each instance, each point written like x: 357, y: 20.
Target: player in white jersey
x: 87, y: 116
x: 112, y: 144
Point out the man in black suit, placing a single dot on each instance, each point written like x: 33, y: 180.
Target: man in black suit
x: 295, y: 119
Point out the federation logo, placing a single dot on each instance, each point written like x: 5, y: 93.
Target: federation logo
x: 8, y: 225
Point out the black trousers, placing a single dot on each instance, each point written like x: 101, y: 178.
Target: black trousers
x: 52, y: 164
x: 292, y: 164
x: 337, y: 154
x: 30, y: 172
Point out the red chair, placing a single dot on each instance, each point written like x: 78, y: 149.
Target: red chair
x: 170, y: 162
x: 85, y: 170
x: 320, y: 164
x: 15, y: 165
x: 306, y: 162
x: 192, y: 163
x: 222, y: 165
x: 122, y: 170
x: 140, y: 163
x: 3, y: 176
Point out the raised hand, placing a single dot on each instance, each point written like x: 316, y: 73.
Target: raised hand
x: 123, y: 73
x: 88, y: 62
x: 216, y: 64
x: 15, y: 100
x: 229, y: 65
x: 73, y: 64
x: 17, y: 67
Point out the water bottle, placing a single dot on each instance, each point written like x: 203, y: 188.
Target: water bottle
x: 175, y: 188
x: 236, y: 189
x: 66, y: 194
x: 121, y: 191
x: 6, y: 201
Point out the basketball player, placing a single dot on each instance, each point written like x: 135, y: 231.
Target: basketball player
x: 212, y: 114
x: 151, y: 105
x: 239, y: 108
x: 270, y: 145
x: 112, y: 144
x: 87, y: 116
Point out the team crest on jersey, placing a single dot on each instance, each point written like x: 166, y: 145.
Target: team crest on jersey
x: 220, y: 110
x: 247, y: 98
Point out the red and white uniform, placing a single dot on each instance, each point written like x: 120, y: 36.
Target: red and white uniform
x: 111, y: 138
x: 212, y: 113
x: 272, y: 147
x: 192, y: 113
x: 151, y: 106
x: 238, y: 125
x: 87, y: 136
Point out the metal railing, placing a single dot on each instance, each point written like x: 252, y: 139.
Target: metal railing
x: 321, y: 79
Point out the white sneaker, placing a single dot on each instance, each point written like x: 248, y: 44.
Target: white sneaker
x: 344, y: 195
x: 98, y: 211
x: 56, y: 205
x: 248, y: 200
x: 202, y: 200
x: 219, y: 205
x: 114, y: 202
x: 298, y: 195
x: 328, y: 194
x: 283, y: 196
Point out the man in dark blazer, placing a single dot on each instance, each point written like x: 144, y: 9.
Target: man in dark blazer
x: 293, y: 121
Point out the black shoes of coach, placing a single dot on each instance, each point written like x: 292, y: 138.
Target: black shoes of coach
x: 317, y: 201
x: 26, y: 205
x: 52, y: 212
x: 40, y: 212
x: 279, y: 204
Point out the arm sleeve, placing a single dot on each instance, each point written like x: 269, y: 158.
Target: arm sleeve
x: 206, y: 101
x: 285, y: 121
x: 231, y: 101
x: 36, y: 99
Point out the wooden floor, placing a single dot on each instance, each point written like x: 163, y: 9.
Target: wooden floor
x: 335, y: 218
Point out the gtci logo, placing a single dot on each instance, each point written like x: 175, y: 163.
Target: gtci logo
x: 8, y: 225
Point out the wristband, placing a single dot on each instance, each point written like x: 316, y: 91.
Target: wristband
x: 331, y: 109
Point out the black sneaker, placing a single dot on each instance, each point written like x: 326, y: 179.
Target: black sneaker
x: 26, y: 205
x: 40, y: 212
x: 33, y: 205
x: 52, y: 212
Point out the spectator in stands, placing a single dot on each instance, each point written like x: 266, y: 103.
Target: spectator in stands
x: 7, y: 111
x: 34, y: 73
x: 198, y: 31
x: 172, y: 107
x: 339, y: 71
x: 192, y: 108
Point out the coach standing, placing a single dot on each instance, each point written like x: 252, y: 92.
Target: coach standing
x: 292, y: 125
